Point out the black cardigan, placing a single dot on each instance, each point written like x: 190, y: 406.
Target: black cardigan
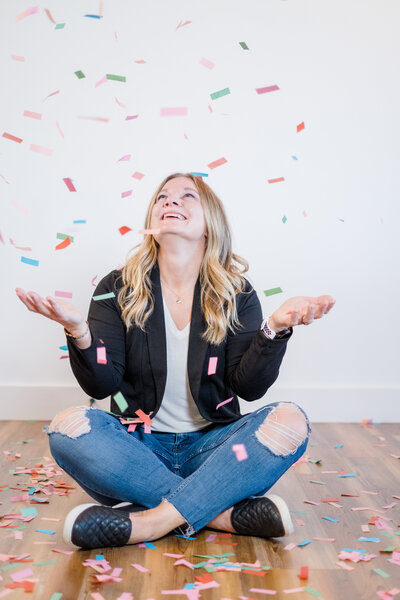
x: 248, y: 362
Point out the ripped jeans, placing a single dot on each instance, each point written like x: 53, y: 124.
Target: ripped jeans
x: 200, y: 472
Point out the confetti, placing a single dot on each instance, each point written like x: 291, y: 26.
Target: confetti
x: 303, y: 573
x: 220, y: 93
x: 124, y: 229
x: 277, y: 180
x: 181, y: 24
x: 69, y: 184
x: 138, y: 175
x: 139, y: 568
x: 48, y: 13
x: 60, y: 26
x: 121, y: 402
x: 101, y: 355
x: 63, y: 244
x: 116, y: 77
x: 217, y: 163
x: 273, y: 291
x: 240, y: 451
x: 11, y: 137
x: 207, y: 63
x: 126, y: 194
x: 61, y: 294
x: 41, y: 150
x: 212, y: 365
x: 179, y: 111
x: 80, y: 74
x: 32, y: 115
x: 30, y: 261
x: 100, y: 119
x: 264, y: 90
x: 60, y: 130
x: 224, y: 402
x: 18, y: 58
x: 103, y: 296
x: 300, y: 127
x: 244, y: 45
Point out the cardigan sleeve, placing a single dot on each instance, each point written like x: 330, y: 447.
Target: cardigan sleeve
x: 252, y: 360
x: 107, y: 329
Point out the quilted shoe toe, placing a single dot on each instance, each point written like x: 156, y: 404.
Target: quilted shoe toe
x: 264, y: 516
x: 96, y: 526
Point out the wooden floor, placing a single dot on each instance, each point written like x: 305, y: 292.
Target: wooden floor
x: 365, y: 452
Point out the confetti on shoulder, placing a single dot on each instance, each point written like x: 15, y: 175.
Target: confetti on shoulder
x: 104, y: 296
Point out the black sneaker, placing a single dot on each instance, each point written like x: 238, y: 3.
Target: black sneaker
x: 263, y: 516
x: 96, y: 526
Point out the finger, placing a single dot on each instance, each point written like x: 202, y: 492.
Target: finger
x: 293, y: 318
x: 39, y: 305
x: 320, y: 310
x: 309, y: 316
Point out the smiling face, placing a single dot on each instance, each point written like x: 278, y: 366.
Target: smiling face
x: 178, y: 211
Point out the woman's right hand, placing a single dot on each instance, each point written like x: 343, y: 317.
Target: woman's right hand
x: 59, y: 310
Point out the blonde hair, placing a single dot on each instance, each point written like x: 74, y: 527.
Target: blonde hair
x: 220, y: 278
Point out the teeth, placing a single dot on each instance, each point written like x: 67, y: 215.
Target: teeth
x: 174, y: 215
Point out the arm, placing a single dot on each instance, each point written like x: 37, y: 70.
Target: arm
x: 105, y: 323
x: 252, y: 360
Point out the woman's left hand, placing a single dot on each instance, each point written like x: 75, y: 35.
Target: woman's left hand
x: 300, y: 310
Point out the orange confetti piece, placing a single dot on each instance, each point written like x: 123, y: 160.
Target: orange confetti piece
x: 124, y: 229
x: 217, y: 163
x: 300, y: 127
x: 303, y: 573
x: 63, y: 244
x: 11, y: 137
x: 276, y: 180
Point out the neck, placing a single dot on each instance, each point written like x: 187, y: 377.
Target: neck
x: 180, y: 267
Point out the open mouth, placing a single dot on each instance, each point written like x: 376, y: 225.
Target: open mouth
x: 173, y: 216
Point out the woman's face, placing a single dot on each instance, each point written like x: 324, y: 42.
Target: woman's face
x: 178, y: 210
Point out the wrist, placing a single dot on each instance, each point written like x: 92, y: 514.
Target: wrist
x: 77, y: 331
x: 273, y: 325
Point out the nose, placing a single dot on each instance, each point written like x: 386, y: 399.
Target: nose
x: 171, y: 201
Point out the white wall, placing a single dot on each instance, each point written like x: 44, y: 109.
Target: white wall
x: 336, y: 64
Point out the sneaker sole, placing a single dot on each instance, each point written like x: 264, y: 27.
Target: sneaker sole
x: 284, y: 512
x: 70, y: 520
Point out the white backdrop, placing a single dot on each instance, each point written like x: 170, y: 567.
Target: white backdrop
x: 336, y: 66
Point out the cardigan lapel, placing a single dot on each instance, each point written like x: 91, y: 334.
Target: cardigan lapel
x: 157, y: 342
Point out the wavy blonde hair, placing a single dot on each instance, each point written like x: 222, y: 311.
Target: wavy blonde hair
x: 220, y: 278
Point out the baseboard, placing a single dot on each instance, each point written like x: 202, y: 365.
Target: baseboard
x: 322, y: 404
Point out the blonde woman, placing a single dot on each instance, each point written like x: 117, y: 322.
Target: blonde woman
x: 184, y: 336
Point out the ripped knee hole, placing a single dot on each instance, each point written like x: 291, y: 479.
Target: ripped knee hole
x: 284, y: 429
x: 71, y: 422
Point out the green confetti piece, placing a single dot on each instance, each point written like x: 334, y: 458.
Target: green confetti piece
x: 8, y: 567
x: 312, y: 592
x: 244, y: 45
x: 64, y: 236
x: 60, y: 26
x: 220, y: 93
x: 388, y: 549
x: 11, y: 471
x: 28, y: 512
x: 104, y: 296
x: 80, y: 74
x: 46, y: 562
x: 386, y: 534
x: 299, y: 512
x: 381, y: 573
x: 56, y: 596
x: 201, y: 564
x: 273, y: 291
x: 320, y: 482
x: 284, y: 219
x: 18, y: 528
x: 116, y: 77
x: 121, y: 402
x: 210, y: 569
x: 314, y: 461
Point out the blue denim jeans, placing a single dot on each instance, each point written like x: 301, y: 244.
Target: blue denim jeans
x: 197, y: 472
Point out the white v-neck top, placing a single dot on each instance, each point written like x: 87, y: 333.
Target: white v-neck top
x: 178, y: 412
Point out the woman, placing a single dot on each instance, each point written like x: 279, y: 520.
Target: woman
x: 184, y: 336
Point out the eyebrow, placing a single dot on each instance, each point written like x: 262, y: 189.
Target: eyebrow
x: 186, y: 188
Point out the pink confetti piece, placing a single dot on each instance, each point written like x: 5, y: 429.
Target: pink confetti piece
x: 48, y: 13
x: 18, y: 58
x: 147, y: 428
x: 276, y: 180
x: 32, y: 115
x: 69, y: 184
x: 125, y: 596
x: 344, y: 566
x: 211, y: 537
x: 262, y: 591
x: 224, y: 402
x: 292, y: 590
x: 149, y: 231
x: 101, y: 6
x: 61, y: 294
x: 317, y: 539
x: 240, y: 451
x: 124, y: 158
x: 126, y: 194
x: 132, y: 427
x: 93, y: 280
x: 183, y: 562
x: 138, y: 175
x: 62, y: 551
x: 97, y: 596
x: 178, y: 111
x: 182, y: 24
x: 12, y: 138
x: 22, y: 209
x: 140, y: 62
x: 47, y: 543
x: 52, y: 94
x: 290, y: 546
x: 24, y: 248
x: 101, y: 81
x: 60, y: 130
x: 217, y: 163
x: 207, y: 63
x: 5, y: 593
x: 390, y: 505
x: 169, y: 554
x: 311, y: 502
x: 139, y: 568
x: 121, y: 104
x: 20, y: 575
x: 366, y: 492
x: 212, y: 365
x: 100, y: 119
x: 41, y: 150
x: 265, y: 90
x: 101, y: 355
x: 300, y: 522
x: 130, y: 117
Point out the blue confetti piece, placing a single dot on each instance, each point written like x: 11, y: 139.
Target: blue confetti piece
x: 94, y: 16
x: 149, y: 545
x: 354, y: 550
x: 189, y: 586
x: 304, y: 543
x: 330, y: 519
x: 294, y: 157
x: 79, y: 221
x: 339, y: 446
x: 45, y: 531
x: 63, y: 348
x: 365, y: 539
x: 347, y: 475
x: 99, y: 556
x: 32, y: 491
x: 30, y: 261
x: 185, y: 537
x: 199, y: 174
